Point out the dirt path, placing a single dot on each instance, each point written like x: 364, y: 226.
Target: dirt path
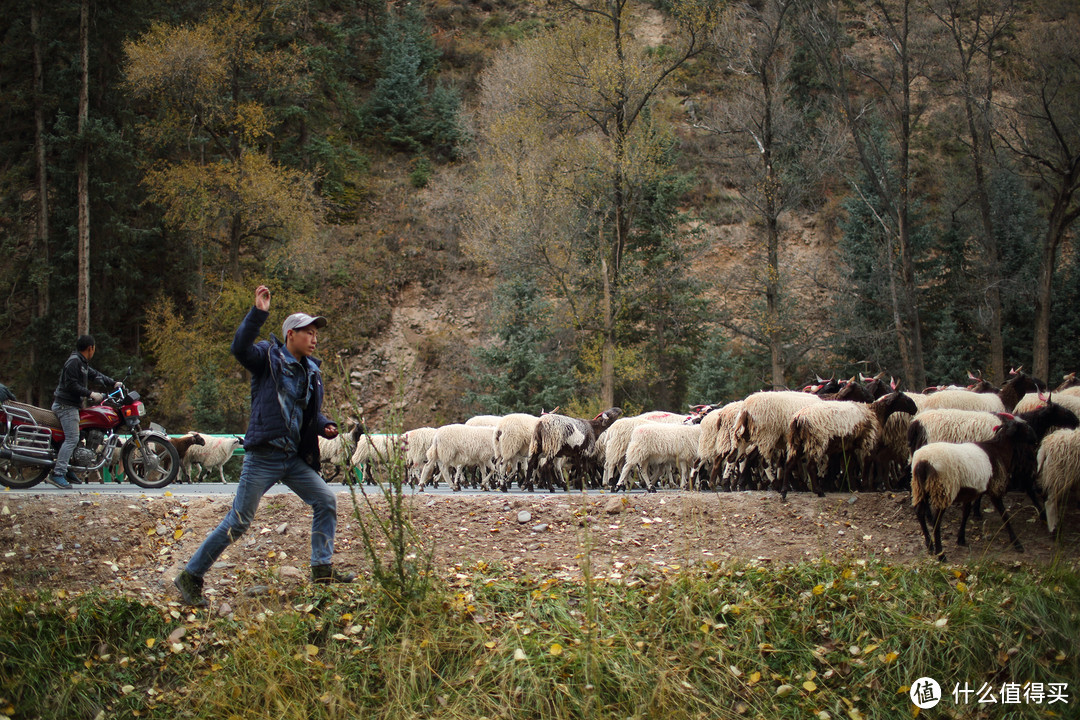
x: 85, y: 541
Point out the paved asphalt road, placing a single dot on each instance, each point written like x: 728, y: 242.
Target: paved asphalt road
x: 203, y: 489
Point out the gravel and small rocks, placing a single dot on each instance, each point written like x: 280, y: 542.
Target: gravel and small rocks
x: 85, y: 541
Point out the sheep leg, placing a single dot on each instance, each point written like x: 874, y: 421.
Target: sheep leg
x: 920, y: 513
x: 937, y: 534
x: 1036, y: 501
x: 783, y: 479
x: 961, y: 540
x: 1000, y: 507
x: 869, y: 476
x: 815, y: 473
x: 715, y: 473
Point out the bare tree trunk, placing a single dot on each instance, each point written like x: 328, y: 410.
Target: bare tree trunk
x: 1060, y: 219
x: 917, y: 374
x: 34, y: 392
x: 607, y: 359
x: 772, y: 223
x: 772, y: 296
x: 1040, y: 350
x: 898, y: 318
x: 83, y: 162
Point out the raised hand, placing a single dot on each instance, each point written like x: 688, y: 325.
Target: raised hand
x: 262, y: 298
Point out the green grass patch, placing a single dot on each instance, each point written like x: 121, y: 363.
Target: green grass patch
x: 794, y: 641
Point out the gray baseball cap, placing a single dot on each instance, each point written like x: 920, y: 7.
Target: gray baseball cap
x: 301, y: 320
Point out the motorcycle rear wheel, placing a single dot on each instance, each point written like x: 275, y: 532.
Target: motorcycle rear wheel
x: 154, y: 466
x: 17, y: 475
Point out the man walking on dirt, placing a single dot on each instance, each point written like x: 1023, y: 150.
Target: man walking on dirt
x: 281, y: 443
x: 72, y: 387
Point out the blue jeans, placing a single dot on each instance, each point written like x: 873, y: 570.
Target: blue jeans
x: 261, y: 470
x: 68, y: 415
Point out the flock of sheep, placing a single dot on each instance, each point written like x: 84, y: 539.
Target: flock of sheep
x: 951, y: 445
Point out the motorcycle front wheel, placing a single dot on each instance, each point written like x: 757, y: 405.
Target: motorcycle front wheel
x: 154, y: 465
x: 17, y: 475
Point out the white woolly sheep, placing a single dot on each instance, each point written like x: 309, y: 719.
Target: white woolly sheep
x: 1058, y: 472
x: 213, y: 455
x: 764, y: 422
x: 559, y: 436
x: 656, y: 444
x: 182, y: 444
x: 946, y: 473
x: 336, y: 452
x: 717, y: 444
x: 375, y: 450
x: 617, y: 438
x: 844, y: 428
x: 963, y: 400
x: 1034, y: 401
x: 513, y: 434
x: 458, y: 447
x: 483, y: 420
x: 417, y: 442
x: 951, y: 425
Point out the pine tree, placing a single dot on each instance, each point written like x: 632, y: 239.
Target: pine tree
x: 404, y: 110
x: 523, y: 370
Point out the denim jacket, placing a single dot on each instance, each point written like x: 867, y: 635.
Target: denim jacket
x: 286, y: 393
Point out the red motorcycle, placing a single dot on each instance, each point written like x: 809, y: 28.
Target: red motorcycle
x: 32, y: 437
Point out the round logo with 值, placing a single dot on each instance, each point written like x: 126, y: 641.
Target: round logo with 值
x: 925, y: 693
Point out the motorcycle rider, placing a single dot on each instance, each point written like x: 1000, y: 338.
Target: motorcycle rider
x: 75, y: 378
x: 280, y: 445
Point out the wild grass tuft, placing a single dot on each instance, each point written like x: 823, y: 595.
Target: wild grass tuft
x: 788, y: 641
x: 400, y: 559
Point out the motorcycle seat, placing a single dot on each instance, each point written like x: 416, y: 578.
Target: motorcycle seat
x: 41, y: 415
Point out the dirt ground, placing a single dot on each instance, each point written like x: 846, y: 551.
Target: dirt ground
x: 80, y: 541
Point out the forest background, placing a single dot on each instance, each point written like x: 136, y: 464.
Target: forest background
x: 511, y: 206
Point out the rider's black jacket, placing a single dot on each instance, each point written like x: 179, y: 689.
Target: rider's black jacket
x: 74, y: 380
